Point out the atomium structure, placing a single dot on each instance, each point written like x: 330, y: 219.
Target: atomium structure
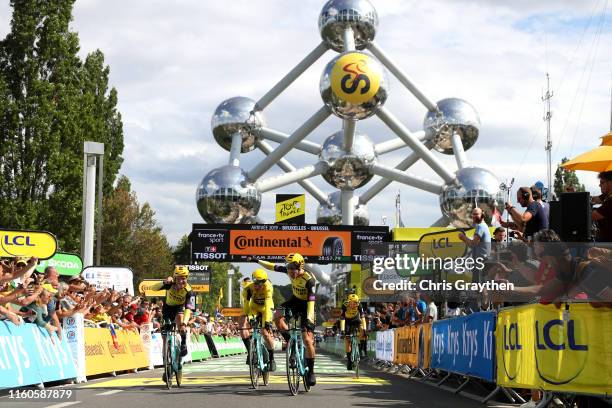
x: 354, y: 86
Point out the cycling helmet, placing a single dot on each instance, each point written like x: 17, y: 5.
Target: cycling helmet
x: 260, y: 275
x: 296, y: 259
x: 181, y: 270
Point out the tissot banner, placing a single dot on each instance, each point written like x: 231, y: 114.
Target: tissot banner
x: 556, y: 348
x: 465, y: 345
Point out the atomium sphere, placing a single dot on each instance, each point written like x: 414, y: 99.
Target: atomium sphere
x: 331, y: 214
x: 354, y: 85
x: 455, y: 115
x: 241, y: 115
x: 250, y: 219
x: 348, y: 170
x: 479, y: 188
x: 338, y: 15
x: 225, y: 197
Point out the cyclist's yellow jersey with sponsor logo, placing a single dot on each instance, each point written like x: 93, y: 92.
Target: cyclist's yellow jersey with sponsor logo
x: 175, y: 297
x: 301, y: 286
x: 351, y: 310
x: 258, y: 299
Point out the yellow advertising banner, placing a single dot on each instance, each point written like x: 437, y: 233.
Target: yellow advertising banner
x: 555, y: 348
x: 290, y: 208
x: 445, y: 244
x: 424, y: 350
x: 145, y: 287
x: 103, y: 356
x: 200, y: 287
x: 39, y: 244
x: 231, y: 311
x: 407, y: 345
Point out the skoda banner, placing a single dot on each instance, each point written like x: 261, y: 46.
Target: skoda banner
x: 65, y: 264
x: 318, y: 243
x: 39, y: 244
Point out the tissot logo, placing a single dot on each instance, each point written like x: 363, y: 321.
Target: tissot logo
x: 242, y: 242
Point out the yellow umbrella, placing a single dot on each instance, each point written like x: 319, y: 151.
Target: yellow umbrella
x: 598, y: 159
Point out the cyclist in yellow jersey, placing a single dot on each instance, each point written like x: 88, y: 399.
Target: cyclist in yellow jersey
x: 257, y: 301
x: 178, y: 303
x: 353, y: 316
x: 302, y: 304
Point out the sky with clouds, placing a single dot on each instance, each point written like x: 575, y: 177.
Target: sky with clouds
x: 174, y: 62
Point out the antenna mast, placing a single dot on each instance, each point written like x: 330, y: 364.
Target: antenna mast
x: 546, y: 99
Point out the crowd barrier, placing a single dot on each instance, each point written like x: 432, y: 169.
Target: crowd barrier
x: 228, y: 346
x: 29, y: 355
x: 562, y: 348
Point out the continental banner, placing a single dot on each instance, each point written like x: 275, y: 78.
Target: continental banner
x: 290, y: 208
x: 465, y: 345
x: 104, y: 355
x: 565, y: 348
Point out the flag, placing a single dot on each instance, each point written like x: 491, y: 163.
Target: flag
x: 219, y: 299
x: 114, y: 336
x: 398, y: 212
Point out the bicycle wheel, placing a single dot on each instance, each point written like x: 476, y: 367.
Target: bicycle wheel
x: 355, y: 355
x: 254, y: 363
x: 168, y: 361
x: 266, y: 374
x: 293, y: 375
x: 304, y: 368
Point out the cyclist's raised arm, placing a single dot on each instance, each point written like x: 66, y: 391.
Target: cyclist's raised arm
x: 160, y: 286
x: 310, y: 305
x: 272, y: 266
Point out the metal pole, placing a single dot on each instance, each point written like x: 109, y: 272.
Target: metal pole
x: 401, y: 76
x: 401, y: 177
x: 288, y: 178
x: 396, y: 144
x: 100, y: 212
x: 84, y: 207
x: 230, y: 275
x: 458, y: 150
x: 418, y: 147
x: 234, y: 159
x: 280, y: 137
x: 349, y: 135
x: 284, y: 164
x: 311, y: 124
x: 348, y: 206
x: 292, y: 75
x: 90, y: 210
x: 349, y: 39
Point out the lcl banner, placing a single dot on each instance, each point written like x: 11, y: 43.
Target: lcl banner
x: 444, y: 244
x: 39, y: 244
x: 564, y: 348
x: 317, y: 243
x: 465, y: 345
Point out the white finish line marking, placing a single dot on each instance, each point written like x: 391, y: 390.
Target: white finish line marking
x: 111, y: 392
x: 63, y: 404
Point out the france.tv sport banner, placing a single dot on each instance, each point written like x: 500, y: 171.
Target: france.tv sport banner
x: 465, y: 345
x: 549, y: 347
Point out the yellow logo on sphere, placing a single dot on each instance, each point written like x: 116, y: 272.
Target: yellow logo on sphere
x: 355, y: 78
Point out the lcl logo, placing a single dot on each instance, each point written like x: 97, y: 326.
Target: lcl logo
x: 17, y: 240
x: 441, y: 243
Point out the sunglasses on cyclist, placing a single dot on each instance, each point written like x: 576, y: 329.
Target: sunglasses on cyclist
x: 293, y: 266
x: 260, y: 282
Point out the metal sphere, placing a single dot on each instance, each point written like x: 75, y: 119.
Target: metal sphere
x: 348, y: 170
x: 237, y: 114
x: 225, y: 197
x: 354, y: 85
x: 331, y: 214
x: 338, y: 15
x: 455, y: 115
x: 479, y: 188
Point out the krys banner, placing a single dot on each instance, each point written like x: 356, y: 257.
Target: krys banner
x: 555, y: 348
x: 465, y: 345
x: 39, y: 244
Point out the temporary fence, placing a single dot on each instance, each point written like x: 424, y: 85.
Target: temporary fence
x: 559, y: 348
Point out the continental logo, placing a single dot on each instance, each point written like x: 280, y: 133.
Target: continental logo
x: 356, y: 77
x: 243, y: 242
x: 94, y: 350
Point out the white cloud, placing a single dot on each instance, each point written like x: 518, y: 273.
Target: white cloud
x: 173, y: 63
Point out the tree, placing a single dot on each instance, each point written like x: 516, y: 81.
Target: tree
x: 182, y: 251
x: 50, y: 103
x: 132, y: 237
x: 218, y: 279
x: 566, y: 179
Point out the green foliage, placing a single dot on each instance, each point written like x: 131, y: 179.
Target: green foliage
x: 50, y: 103
x: 566, y: 179
x: 132, y: 237
x: 182, y: 251
x: 218, y: 279
x: 277, y: 297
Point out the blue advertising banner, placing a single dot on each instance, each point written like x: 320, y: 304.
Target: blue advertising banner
x: 465, y: 345
x: 29, y: 356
